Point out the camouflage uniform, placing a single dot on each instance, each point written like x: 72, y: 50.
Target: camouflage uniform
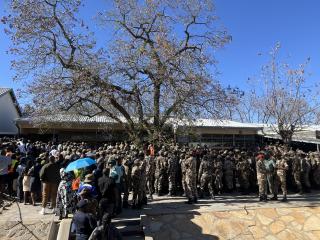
x: 218, y: 174
x: 296, y: 170
x: 150, y: 172
x: 262, y: 179
x: 173, y: 166
x: 282, y: 168
x: 205, y: 176
x: 228, y: 167
x: 161, y: 173
x: 191, y: 179
x: 183, y: 172
x: 243, y: 172
x: 136, y: 177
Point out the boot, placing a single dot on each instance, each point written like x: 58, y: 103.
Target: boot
x: 265, y: 198
x: 189, y: 201
x: 284, y: 199
x: 274, y: 198
x: 260, y: 198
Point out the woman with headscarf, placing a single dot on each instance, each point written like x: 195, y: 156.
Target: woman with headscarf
x: 64, y: 194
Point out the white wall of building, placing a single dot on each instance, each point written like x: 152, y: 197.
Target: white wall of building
x: 8, y: 113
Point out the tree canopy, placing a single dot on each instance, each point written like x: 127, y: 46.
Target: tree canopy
x: 155, y: 68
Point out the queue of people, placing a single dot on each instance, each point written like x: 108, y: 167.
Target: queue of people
x: 37, y: 172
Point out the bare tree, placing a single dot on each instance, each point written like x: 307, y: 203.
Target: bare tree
x: 155, y: 68
x: 283, y: 98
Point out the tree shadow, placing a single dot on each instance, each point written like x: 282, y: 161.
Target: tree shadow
x: 176, y: 221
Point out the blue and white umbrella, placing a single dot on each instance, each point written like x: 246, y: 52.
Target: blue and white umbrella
x: 80, y: 163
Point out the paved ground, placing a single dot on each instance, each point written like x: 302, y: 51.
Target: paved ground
x: 233, y: 217
x: 165, y: 205
x: 160, y: 209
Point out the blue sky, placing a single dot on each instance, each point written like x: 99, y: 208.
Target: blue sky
x: 255, y: 26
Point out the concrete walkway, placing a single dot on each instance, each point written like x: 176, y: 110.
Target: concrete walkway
x: 166, y: 210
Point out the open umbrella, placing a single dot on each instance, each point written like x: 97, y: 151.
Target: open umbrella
x: 80, y: 163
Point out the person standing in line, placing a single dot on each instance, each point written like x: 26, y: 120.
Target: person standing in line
x: 262, y: 177
x: 26, y: 185
x: 50, y: 178
x: 282, y: 168
x: 84, y: 222
x: 191, y: 178
x: 35, y: 183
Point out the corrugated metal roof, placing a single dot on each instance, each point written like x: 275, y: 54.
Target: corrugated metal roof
x: 67, y: 118
x: 74, y: 118
x: 4, y: 91
x: 217, y: 123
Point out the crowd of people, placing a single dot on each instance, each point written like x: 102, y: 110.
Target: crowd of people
x: 36, y: 172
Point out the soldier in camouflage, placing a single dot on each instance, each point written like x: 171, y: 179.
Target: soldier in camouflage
x: 281, y: 169
x: 228, y: 169
x: 218, y: 174
x: 173, y: 166
x: 150, y: 173
x: 182, y: 163
x: 205, y: 176
x: 161, y: 172
x: 191, y: 178
x: 262, y: 177
x: 296, y: 170
x: 243, y: 173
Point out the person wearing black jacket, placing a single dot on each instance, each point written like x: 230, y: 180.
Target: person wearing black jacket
x: 83, y: 221
x: 107, y: 187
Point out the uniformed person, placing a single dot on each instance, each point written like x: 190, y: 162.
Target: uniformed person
x: 191, y: 178
x: 205, y: 176
x: 262, y: 177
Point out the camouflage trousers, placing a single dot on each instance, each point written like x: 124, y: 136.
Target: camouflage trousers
x: 172, y: 181
x: 262, y: 182
x: 282, y: 182
x: 159, y: 183
x: 218, y: 182
x: 191, y: 186
x: 183, y: 182
x: 206, y: 180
